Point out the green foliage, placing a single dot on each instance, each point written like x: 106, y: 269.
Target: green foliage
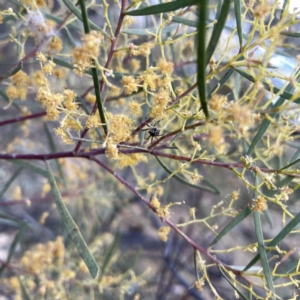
x: 191, y: 109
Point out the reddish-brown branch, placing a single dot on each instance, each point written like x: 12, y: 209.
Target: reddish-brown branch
x: 203, y: 250
x: 184, y: 63
x: 23, y: 118
x: 154, y: 152
x: 14, y: 268
x: 175, y: 132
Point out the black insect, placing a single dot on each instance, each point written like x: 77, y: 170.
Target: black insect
x: 153, y: 131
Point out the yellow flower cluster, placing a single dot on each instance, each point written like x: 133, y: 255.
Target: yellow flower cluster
x: 120, y: 127
x: 262, y: 11
x: 83, y: 55
x: 217, y: 103
x: 199, y: 284
x: 90, y: 98
x: 216, y: 138
x: 285, y: 192
x: 260, y: 204
x: 235, y: 195
x: 43, y: 256
x: 165, y: 67
x: 135, y: 108
x: 161, y: 211
x: 50, y: 101
x: 155, y: 202
x: 58, y: 103
x: 19, y: 87
x: 38, y: 78
x: 196, y: 177
x: 38, y: 3
x: 144, y: 49
x: 111, y: 149
x: 163, y: 233
x: 130, y: 85
x: 156, y: 80
x: 93, y: 121
x: 131, y: 159
x: 242, y: 115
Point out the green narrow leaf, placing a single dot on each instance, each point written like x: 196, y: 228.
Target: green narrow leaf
x: 278, y: 238
x: 184, y: 181
x: 135, y: 258
x: 85, y: 19
x: 109, y: 255
x: 65, y: 64
x: 284, y: 7
x: 183, y: 21
x: 4, y: 96
x: 95, y: 76
x: 161, y: 8
x: 262, y: 252
x: 291, y: 34
x: 12, y: 248
x: 25, y: 294
x: 261, y: 246
x: 86, y: 109
x: 233, y: 223
x: 201, y: 57
x: 291, y: 164
x: 10, y: 181
x: 294, y: 159
x: 280, y: 184
x: 265, y: 124
x: 268, y: 217
x: 14, y: 71
x: 53, y: 150
x: 296, y: 154
x: 70, y: 37
x: 175, y: 19
x: 195, y: 265
x: 223, y: 80
x: 72, y: 228
x: 218, y: 27
x: 229, y: 281
x: 271, y: 193
x: 261, y: 130
x: 33, y: 168
x: 78, y: 14
x: 237, y: 11
x: 290, y: 268
x: 220, y: 84
x: 149, y: 31
x: 98, y: 100
x: 218, y: 11
x: 286, y: 95
x: 144, y: 117
x: 19, y: 222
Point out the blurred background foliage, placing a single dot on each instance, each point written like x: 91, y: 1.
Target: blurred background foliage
x: 242, y: 58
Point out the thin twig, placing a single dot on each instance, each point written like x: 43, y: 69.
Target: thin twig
x: 109, y: 59
x: 36, y: 48
x: 23, y: 118
x: 203, y: 250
